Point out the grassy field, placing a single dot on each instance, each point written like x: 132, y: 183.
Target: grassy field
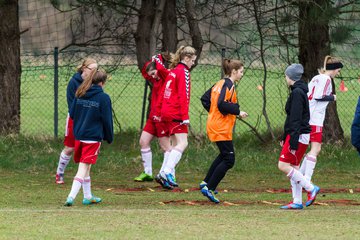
x: 31, y: 205
x: 126, y: 89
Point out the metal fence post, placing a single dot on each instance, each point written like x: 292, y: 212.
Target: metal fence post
x: 56, y: 90
x: 223, y: 51
x: 144, y: 104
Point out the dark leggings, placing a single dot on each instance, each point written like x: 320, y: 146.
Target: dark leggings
x: 222, y: 163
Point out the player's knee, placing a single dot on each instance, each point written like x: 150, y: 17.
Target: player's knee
x: 164, y: 147
x: 144, y: 143
x: 229, y: 160
x: 284, y: 167
x: 68, y: 151
x: 185, y: 143
x: 281, y: 166
x: 182, y: 145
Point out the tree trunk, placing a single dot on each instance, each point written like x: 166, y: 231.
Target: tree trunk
x: 332, y: 131
x: 195, y: 32
x: 314, y: 45
x: 10, y: 67
x: 169, y: 27
x: 155, y: 26
x: 314, y: 39
x: 143, y: 31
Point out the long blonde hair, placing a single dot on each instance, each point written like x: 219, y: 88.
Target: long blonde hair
x: 329, y: 60
x: 95, y: 77
x: 180, y: 54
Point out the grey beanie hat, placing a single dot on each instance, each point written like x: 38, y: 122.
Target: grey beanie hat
x: 294, y: 71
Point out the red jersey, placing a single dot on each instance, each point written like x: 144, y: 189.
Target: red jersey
x: 157, y: 84
x: 176, y: 94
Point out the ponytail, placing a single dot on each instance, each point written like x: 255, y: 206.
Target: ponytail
x: 86, y: 84
x: 180, y: 54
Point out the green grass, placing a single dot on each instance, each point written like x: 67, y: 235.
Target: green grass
x: 126, y: 89
x: 31, y: 203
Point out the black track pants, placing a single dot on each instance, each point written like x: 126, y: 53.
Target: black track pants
x: 223, y: 162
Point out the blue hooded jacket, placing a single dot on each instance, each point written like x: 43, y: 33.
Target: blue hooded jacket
x: 355, y: 128
x: 72, y: 86
x: 92, y: 115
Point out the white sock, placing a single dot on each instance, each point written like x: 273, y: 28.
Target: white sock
x: 310, y: 166
x: 166, y: 157
x: 303, y: 166
x: 174, y: 158
x: 146, y: 156
x: 77, y: 182
x: 63, y: 162
x: 87, y: 187
x: 297, y: 177
x: 296, y: 190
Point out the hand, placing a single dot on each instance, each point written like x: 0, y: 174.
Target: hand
x: 292, y: 151
x: 242, y: 115
x: 281, y: 143
x: 334, y: 97
x: 185, y: 122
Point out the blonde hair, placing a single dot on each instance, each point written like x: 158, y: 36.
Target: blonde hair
x: 329, y: 60
x: 85, y: 63
x: 180, y: 54
x: 96, y: 77
x: 231, y: 64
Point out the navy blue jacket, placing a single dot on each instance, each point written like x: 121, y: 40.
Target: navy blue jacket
x: 92, y: 115
x: 72, y: 86
x: 355, y: 128
x: 297, y: 113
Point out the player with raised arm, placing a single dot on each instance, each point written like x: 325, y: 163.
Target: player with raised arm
x: 155, y: 72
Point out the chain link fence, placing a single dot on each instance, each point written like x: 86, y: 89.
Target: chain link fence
x: 45, y: 78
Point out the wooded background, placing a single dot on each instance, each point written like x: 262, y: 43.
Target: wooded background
x: 266, y: 35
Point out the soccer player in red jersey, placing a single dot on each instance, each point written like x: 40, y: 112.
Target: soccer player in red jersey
x: 175, y: 107
x: 155, y: 72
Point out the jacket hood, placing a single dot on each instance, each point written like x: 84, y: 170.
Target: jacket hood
x: 94, y: 89
x: 300, y: 84
x: 77, y: 77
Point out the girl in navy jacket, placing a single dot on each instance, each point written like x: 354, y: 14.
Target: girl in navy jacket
x: 92, y: 114
x: 88, y: 67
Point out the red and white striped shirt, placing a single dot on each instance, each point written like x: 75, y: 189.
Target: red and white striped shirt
x: 176, y: 94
